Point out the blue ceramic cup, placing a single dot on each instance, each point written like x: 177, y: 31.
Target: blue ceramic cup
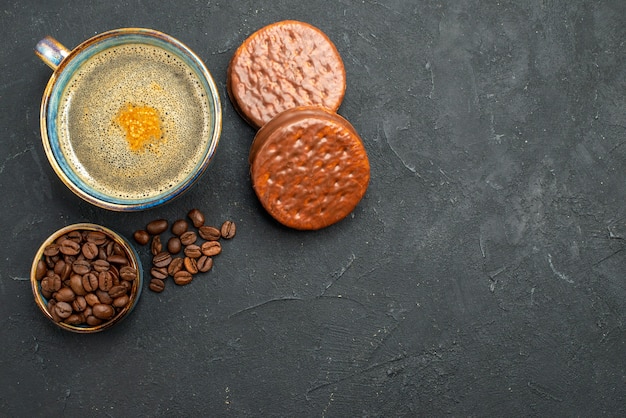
x: 130, y: 118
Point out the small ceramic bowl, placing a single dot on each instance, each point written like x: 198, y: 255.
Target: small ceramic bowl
x: 45, y: 301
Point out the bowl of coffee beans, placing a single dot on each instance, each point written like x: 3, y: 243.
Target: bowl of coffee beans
x: 86, y: 278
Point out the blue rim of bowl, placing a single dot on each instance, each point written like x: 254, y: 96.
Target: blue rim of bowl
x: 134, y: 259
x: 53, y: 91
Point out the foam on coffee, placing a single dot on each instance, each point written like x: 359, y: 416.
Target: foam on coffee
x: 96, y: 147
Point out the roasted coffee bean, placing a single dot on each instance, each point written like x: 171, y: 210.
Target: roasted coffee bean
x: 190, y: 265
x: 121, y: 301
x: 162, y: 259
x: 104, y: 297
x: 228, y: 230
x: 117, y: 291
x: 157, y: 226
x: 183, y: 277
x: 91, y: 299
x: 192, y: 251
x: 141, y: 237
x: 96, y: 237
x: 63, y: 309
x: 180, y: 227
x: 65, y: 294
x: 51, y: 284
x: 79, y: 304
x: 76, y: 236
x: 63, y: 269
x: 127, y: 285
x: 102, y: 311
x: 159, y: 272
x: 89, y: 250
x: 41, y: 270
x: 90, y: 282
x: 188, y: 238
x: 156, y: 246
x: 105, y: 281
x: 81, y: 267
x: 128, y: 273
x: 175, y: 266
x: 101, y: 265
x: 74, y: 319
x: 157, y: 285
x: 197, y: 217
x: 51, y: 250
x: 174, y: 245
x: 204, y: 264
x: 69, y: 247
x: 211, y: 248
x: 209, y: 233
x: 76, y: 283
x: 92, y: 321
x: 117, y: 259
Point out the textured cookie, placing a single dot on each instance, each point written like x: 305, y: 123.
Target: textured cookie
x: 309, y: 167
x: 285, y: 65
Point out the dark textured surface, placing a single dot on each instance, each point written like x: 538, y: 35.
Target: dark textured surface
x: 482, y: 274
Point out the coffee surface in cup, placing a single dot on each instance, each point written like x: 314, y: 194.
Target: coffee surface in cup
x: 98, y: 147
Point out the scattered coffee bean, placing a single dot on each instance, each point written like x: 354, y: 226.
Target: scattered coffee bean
x: 180, y: 227
x: 157, y: 285
x: 157, y: 226
x: 141, y: 237
x: 85, y: 277
x: 174, y: 245
x: 211, y: 248
x: 209, y: 233
x: 188, y: 238
x: 183, y: 278
x: 228, y: 230
x: 198, y: 256
x: 197, y: 217
x: 204, y: 264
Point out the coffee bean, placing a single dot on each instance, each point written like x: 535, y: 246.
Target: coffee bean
x: 141, y: 237
x: 65, y: 294
x: 102, y: 311
x: 96, y: 237
x: 174, y: 245
x: 128, y: 273
x: 228, y: 230
x: 79, y: 304
x: 74, y: 319
x: 41, y: 270
x: 157, y: 285
x: 175, y: 266
x: 90, y: 250
x: 92, y: 321
x: 69, y: 247
x: 81, y: 267
x: 100, y: 265
x: 51, y: 250
x: 90, y: 282
x: 188, y: 238
x: 156, y: 246
x: 63, y: 309
x: 197, y: 217
x: 162, y: 259
x: 192, y: 251
x: 190, y: 265
x: 209, y: 233
x: 180, y: 227
x: 204, y: 264
x: 91, y: 299
x: 183, y: 277
x: 76, y: 236
x: 104, y: 297
x: 159, y: 273
x: 211, y: 248
x: 121, y: 301
x: 117, y: 291
x: 117, y: 259
x: 51, y: 284
x: 105, y: 281
x: 157, y: 226
x: 76, y: 283
x: 63, y: 269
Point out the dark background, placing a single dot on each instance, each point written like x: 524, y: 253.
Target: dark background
x: 482, y: 274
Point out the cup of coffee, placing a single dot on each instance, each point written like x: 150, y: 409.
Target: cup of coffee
x: 130, y: 118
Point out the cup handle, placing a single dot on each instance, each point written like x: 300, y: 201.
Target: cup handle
x: 51, y: 52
